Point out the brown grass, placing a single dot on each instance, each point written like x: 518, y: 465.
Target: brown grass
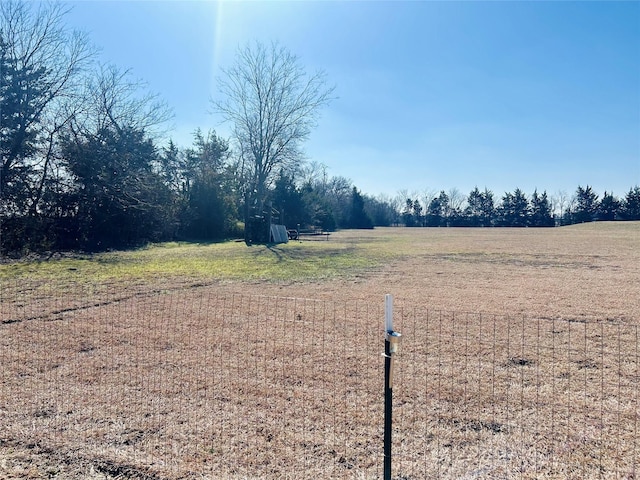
x: 166, y: 379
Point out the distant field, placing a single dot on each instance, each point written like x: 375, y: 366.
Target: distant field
x: 519, y: 358
x: 583, y: 271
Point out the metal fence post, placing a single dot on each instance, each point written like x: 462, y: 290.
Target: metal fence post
x: 391, y: 344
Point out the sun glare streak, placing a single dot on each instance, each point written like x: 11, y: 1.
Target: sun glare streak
x: 217, y: 39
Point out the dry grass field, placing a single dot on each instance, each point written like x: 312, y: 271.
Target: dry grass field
x: 519, y: 358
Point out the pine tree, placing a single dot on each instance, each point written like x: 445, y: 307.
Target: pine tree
x: 407, y: 213
x: 608, y: 207
x: 630, y: 209
x: 488, y: 208
x: 20, y: 92
x: 473, y: 211
x: 586, y: 205
x: 541, y: 210
x: 359, y: 218
x: 121, y: 201
x: 514, y: 210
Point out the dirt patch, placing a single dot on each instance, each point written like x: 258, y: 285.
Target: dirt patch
x: 19, y: 461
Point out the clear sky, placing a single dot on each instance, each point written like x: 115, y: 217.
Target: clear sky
x: 431, y: 95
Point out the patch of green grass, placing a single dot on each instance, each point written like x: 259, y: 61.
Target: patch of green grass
x: 220, y: 261
x: 345, y: 254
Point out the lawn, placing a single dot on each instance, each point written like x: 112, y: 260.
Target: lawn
x: 519, y: 357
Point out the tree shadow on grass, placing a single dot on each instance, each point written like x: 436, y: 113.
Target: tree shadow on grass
x: 301, y: 254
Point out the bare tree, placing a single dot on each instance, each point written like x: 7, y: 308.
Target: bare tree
x: 42, y: 63
x: 456, y: 200
x: 113, y: 99
x: 315, y: 173
x: 273, y: 105
x: 560, y: 201
x: 570, y: 210
x: 427, y: 196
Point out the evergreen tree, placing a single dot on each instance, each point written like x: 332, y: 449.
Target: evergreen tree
x: 289, y: 201
x: 417, y: 213
x: 40, y: 63
x: 541, y: 210
x: 359, y: 217
x: 586, y: 205
x: 407, y: 214
x: 514, y: 210
x: 473, y: 212
x: 480, y: 208
x: 487, y: 208
x: 121, y: 201
x: 608, y: 207
x: 211, y: 205
x: 438, y: 211
x: 20, y: 110
x: 171, y: 167
x: 630, y: 209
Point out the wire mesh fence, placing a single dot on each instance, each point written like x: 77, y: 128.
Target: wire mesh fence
x: 488, y: 396
x: 193, y: 382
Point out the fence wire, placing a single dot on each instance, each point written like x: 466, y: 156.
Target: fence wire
x: 192, y: 383
x: 488, y: 396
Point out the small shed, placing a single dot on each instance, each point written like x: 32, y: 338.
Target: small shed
x: 278, y: 234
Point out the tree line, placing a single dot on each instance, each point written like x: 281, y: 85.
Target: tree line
x: 86, y: 162
x: 515, y: 209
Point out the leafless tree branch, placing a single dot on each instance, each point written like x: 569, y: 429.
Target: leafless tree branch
x: 273, y: 105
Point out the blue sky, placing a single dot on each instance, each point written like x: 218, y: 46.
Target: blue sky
x: 431, y: 95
